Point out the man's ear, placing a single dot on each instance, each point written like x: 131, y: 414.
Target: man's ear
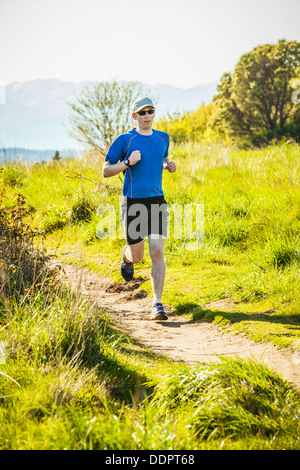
x: 134, y: 116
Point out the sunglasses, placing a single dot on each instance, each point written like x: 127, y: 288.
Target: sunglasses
x: 142, y: 113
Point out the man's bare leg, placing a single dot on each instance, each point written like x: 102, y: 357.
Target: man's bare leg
x: 135, y: 253
x: 131, y: 254
x: 158, y: 269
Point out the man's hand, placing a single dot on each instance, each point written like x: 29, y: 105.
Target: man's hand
x: 170, y: 166
x: 135, y: 156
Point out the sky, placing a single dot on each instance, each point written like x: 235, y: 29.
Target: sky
x: 183, y: 43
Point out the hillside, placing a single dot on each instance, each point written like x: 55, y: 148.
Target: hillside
x: 83, y: 367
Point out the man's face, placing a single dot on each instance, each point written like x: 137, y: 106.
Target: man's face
x: 145, y: 120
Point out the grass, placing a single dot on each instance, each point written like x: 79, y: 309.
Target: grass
x: 233, y: 400
x: 70, y: 381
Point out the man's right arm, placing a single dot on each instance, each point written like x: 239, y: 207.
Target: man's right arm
x: 116, y: 168
x: 112, y: 170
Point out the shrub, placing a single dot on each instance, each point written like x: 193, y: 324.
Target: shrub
x: 12, y: 175
x: 22, y: 263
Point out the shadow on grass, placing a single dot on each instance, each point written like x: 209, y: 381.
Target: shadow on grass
x: 120, y: 363
x: 199, y: 313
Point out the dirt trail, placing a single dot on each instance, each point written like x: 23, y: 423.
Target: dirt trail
x: 178, y: 339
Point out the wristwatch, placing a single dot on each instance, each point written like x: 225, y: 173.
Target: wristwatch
x: 127, y: 163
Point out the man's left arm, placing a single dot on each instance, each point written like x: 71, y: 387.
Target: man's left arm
x: 168, y: 165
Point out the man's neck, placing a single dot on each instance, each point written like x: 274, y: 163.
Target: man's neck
x: 144, y: 131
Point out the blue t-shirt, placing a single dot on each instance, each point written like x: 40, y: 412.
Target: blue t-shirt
x: 144, y: 179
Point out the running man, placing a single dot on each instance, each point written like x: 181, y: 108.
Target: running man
x: 142, y: 154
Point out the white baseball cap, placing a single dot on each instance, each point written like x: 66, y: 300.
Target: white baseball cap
x: 141, y: 103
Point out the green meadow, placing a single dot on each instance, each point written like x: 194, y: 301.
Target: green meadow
x: 69, y: 380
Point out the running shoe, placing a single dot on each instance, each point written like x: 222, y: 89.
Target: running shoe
x: 158, y: 312
x: 127, y: 269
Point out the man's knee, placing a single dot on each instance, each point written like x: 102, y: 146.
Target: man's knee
x: 157, y: 253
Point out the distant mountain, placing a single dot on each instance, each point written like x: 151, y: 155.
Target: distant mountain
x: 11, y: 154
x: 173, y: 99
x: 35, y: 114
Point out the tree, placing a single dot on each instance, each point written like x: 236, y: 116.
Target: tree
x: 190, y: 126
x: 56, y: 156
x: 258, y: 94
x: 103, y: 111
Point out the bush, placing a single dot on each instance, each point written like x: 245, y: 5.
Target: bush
x: 12, y: 175
x: 190, y: 126
x: 22, y: 264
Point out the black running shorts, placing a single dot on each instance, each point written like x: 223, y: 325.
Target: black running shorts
x: 143, y: 217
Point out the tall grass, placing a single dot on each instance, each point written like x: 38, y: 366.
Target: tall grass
x: 236, y: 399
x: 71, y: 382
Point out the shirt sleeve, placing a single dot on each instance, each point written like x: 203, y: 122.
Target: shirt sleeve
x: 115, y: 151
x: 167, y: 145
